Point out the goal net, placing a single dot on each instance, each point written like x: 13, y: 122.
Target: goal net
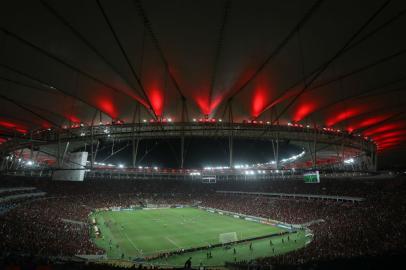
x: 225, y: 238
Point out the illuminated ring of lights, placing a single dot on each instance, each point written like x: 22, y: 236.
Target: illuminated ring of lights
x: 296, y: 134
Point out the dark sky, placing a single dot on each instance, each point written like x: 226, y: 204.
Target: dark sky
x: 199, y: 152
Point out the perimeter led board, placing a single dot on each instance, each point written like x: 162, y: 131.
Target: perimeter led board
x: 312, y: 177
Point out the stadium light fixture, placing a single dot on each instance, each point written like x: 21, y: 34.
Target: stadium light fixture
x: 121, y: 166
x: 30, y: 163
x: 349, y: 161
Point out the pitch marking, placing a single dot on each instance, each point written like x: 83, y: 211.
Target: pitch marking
x: 173, y: 242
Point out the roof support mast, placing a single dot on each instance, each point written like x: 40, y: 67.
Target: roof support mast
x: 135, y: 139
x: 231, y: 137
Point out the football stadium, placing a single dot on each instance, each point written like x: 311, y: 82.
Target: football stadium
x: 204, y: 134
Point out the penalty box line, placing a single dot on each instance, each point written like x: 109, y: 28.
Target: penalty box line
x: 172, y: 242
x: 132, y: 243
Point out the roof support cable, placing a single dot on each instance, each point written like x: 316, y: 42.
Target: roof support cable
x: 148, y: 27
x: 334, y: 57
x: 349, y: 48
x: 66, y: 64
x: 219, y: 47
x: 44, y: 83
x: 83, y: 39
x: 283, y: 43
x: 127, y: 59
x: 16, y: 103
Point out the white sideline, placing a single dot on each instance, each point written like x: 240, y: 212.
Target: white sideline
x: 173, y: 242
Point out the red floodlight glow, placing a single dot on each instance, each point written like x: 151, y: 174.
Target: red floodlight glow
x: 303, y: 110
x: 206, y: 105
x: 14, y: 126
x: 386, y: 146
x: 107, y: 106
x: 389, y: 135
x: 367, y: 122
x: 203, y: 103
x: 73, y: 119
x: 392, y: 139
x: 344, y: 115
x: 260, y: 98
x: 157, y: 100
x: 384, y: 128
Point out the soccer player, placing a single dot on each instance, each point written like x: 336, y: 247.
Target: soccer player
x: 188, y: 263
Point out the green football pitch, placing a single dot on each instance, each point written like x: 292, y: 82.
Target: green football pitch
x: 142, y: 233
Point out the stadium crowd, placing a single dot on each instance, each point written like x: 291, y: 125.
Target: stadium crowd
x: 58, y: 223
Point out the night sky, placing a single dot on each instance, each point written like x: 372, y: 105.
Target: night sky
x: 199, y: 152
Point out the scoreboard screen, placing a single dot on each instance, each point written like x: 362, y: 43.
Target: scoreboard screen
x: 312, y: 177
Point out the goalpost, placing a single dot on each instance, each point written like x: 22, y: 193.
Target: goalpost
x: 225, y: 238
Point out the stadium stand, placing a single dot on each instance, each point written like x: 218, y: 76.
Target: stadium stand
x: 350, y: 230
